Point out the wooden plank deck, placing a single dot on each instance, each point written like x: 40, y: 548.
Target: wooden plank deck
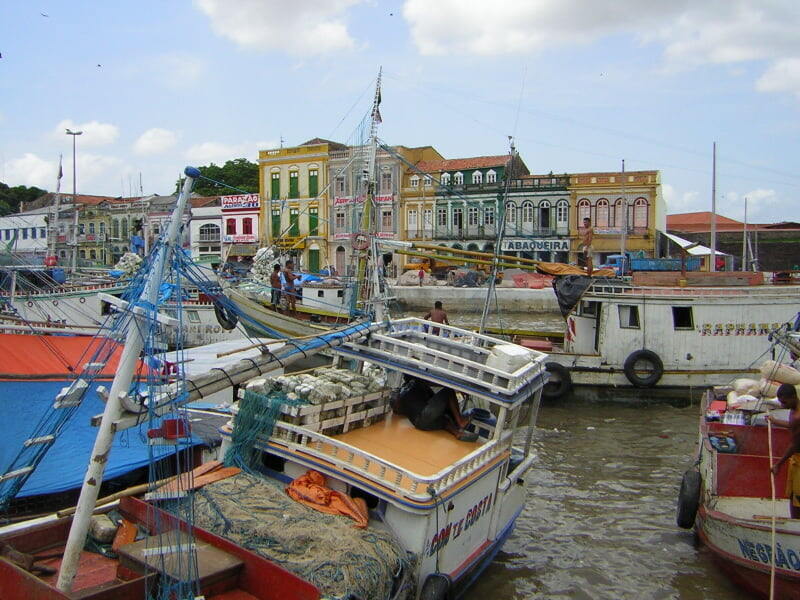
x: 396, y: 440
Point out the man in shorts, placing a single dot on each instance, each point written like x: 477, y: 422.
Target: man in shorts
x: 587, y: 235
x: 275, y: 284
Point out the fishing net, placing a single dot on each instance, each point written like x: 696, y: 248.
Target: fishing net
x: 256, y: 513
x: 324, y: 549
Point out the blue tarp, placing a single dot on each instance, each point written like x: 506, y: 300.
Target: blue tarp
x: 64, y: 467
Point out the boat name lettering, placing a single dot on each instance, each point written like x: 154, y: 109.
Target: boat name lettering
x: 456, y: 528
x: 737, y: 328
x: 532, y: 245
x: 784, y: 558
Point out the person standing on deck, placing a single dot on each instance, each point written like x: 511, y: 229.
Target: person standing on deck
x: 275, y: 284
x: 288, y: 287
x: 787, y: 396
x: 421, y: 276
x: 587, y: 234
x: 437, y: 315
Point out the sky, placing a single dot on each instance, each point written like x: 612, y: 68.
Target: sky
x: 581, y: 85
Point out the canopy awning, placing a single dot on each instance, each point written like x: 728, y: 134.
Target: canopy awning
x: 698, y: 250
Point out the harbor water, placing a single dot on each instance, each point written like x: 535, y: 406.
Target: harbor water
x: 599, y: 522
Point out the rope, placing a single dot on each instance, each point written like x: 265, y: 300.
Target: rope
x: 772, y: 489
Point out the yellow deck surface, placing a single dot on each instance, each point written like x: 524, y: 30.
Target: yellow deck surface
x: 397, y: 441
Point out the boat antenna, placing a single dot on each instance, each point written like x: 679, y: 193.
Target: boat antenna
x: 713, y: 266
x: 624, y: 224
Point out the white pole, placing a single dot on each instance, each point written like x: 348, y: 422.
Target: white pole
x: 74, y: 135
x: 134, y: 342
x: 744, y: 238
x: 624, y: 224
x: 713, y: 266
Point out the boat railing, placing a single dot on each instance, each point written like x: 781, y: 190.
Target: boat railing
x: 400, y: 480
x: 625, y: 290
x: 64, y: 289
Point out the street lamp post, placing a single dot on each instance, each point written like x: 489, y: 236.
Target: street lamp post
x: 74, y: 134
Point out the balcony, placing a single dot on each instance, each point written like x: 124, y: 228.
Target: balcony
x: 209, y: 238
x: 418, y: 234
x: 474, y: 232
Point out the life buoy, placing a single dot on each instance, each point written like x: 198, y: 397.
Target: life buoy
x: 55, y: 302
x: 560, y: 382
x: 689, y: 498
x: 225, y: 317
x: 647, y: 361
x: 435, y: 587
x: 82, y: 300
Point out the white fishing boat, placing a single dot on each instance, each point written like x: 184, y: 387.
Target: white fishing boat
x: 659, y: 340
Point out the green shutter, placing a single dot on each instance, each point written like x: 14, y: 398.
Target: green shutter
x: 313, y: 261
x: 276, y: 186
x: 294, y: 190
x: 313, y: 186
x: 276, y: 224
x: 294, y: 222
x: 313, y: 221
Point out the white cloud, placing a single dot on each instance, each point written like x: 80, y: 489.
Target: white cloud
x: 305, y: 28
x: 31, y: 170
x: 94, y: 132
x: 782, y: 76
x: 681, y: 202
x: 177, y: 70
x: 155, y: 141
x: 219, y: 153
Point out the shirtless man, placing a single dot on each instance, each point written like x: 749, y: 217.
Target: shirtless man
x: 787, y: 396
x: 275, y: 284
x: 437, y: 315
x: 288, y: 287
x: 586, y: 244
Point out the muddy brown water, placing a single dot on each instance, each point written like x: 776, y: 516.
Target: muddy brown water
x: 599, y: 522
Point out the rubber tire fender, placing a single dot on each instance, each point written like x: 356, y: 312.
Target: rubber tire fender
x: 560, y: 389
x: 436, y: 587
x: 689, y: 498
x: 634, y: 378
x: 226, y: 318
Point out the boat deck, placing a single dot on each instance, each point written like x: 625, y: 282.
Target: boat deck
x: 397, y: 441
x: 758, y: 510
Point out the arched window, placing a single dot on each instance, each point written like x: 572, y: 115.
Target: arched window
x: 445, y: 179
x: 527, y: 213
x: 458, y: 178
x: 544, y: 214
x: 491, y: 176
x: 247, y: 226
x: 601, y: 213
x: 102, y: 227
x: 640, y: 206
x: 562, y: 213
x: 125, y: 228
x: 209, y: 232
x: 414, y: 181
x: 511, y: 213
x: 477, y: 177
x: 619, y: 218
x: 91, y: 227
x: 230, y: 226
x: 115, y: 228
x: 584, y: 211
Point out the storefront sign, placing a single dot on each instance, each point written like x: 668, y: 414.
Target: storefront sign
x: 240, y: 239
x: 385, y: 199
x: 342, y: 200
x: 342, y: 236
x: 534, y: 245
x: 240, y: 201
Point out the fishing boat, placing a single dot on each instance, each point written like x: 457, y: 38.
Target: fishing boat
x: 737, y: 509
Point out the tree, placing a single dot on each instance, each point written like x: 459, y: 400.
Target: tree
x: 238, y: 173
x: 11, y: 197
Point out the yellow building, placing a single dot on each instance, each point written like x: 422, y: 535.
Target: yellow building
x: 293, y: 184
x: 601, y: 196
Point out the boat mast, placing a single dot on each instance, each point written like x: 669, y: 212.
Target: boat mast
x: 744, y: 237
x: 713, y: 266
x: 128, y: 362
x: 624, y: 224
x: 51, y: 249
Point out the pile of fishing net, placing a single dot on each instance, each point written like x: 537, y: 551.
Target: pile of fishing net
x: 129, y: 263
x: 326, y: 550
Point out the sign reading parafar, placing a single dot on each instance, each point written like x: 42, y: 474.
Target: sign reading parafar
x: 241, y: 201
x: 534, y: 245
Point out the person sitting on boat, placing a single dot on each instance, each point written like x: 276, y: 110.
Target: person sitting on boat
x: 787, y: 396
x: 430, y: 411
x: 586, y: 244
x: 289, y: 289
x: 437, y: 315
x: 275, y: 284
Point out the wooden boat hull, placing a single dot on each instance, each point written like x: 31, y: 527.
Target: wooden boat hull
x: 742, y: 549
x: 101, y: 578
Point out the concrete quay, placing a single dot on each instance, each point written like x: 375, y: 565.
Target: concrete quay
x: 516, y: 300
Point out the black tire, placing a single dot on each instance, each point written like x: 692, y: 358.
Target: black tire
x: 689, y: 499
x: 226, y: 318
x: 559, y: 384
x: 435, y: 587
x: 632, y: 368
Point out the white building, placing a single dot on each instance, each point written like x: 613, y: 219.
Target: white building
x: 205, y: 229
x: 25, y: 234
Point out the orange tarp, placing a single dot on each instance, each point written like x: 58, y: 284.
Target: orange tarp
x: 43, y: 356
x: 562, y: 269
x: 309, y: 489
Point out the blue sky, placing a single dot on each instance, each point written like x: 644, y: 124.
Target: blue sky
x: 581, y: 85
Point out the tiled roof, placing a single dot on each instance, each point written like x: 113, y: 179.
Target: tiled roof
x: 459, y: 164
x: 333, y: 145
x: 698, y: 218
x: 200, y: 201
